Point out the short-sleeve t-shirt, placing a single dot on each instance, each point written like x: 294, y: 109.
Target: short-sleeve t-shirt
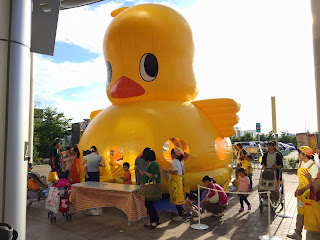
x: 245, y: 164
x: 127, y: 174
x: 240, y: 154
x: 141, y: 164
x: 178, y: 166
x: 313, y: 170
x: 54, y: 153
x: 152, y: 168
x: 249, y: 171
x: 243, y: 183
x: 271, y: 160
x: 93, y: 161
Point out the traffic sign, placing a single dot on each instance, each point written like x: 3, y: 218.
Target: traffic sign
x: 258, y: 127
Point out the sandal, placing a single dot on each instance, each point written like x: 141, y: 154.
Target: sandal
x: 151, y: 226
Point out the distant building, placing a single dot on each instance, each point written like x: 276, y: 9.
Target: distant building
x: 77, y: 130
x: 241, y: 133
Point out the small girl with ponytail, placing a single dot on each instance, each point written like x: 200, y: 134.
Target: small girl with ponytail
x: 243, y: 186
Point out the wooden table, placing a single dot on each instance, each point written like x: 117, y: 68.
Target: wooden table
x: 125, y: 197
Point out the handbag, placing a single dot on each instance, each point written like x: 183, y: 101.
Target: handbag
x: 312, y: 215
x: 215, y: 197
x: 151, y: 190
x: 53, y: 200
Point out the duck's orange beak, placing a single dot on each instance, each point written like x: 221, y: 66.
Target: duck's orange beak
x: 126, y: 88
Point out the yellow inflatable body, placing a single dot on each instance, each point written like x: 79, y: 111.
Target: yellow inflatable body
x: 149, y: 52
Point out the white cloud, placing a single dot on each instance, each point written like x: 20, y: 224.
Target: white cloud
x: 248, y: 50
x: 85, y: 26
x: 51, y: 77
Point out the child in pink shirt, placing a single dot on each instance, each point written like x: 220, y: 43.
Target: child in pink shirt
x: 243, y: 186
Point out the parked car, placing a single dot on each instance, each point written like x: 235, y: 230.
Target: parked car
x: 291, y: 144
x: 289, y: 147
x: 248, y: 144
x: 283, y: 148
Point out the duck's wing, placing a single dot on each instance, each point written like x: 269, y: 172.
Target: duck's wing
x: 222, y: 113
x: 94, y: 113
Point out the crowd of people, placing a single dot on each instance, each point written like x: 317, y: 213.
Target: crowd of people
x: 214, y: 199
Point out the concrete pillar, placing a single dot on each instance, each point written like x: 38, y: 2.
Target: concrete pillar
x: 15, y: 28
x: 31, y: 113
x: 315, y: 9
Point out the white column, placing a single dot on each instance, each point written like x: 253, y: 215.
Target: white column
x: 15, y: 28
x: 31, y: 113
x: 315, y: 8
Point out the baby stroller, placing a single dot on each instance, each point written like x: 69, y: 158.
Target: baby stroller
x: 268, y: 182
x: 32, y: 195
x: 58, y: 199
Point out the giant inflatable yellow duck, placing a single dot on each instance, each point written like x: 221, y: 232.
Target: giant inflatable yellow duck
x: 149, y: 51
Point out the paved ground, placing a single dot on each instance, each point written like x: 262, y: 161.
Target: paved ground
x: 113, y: 223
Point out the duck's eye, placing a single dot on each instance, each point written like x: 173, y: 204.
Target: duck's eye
x: 148, y: 67
x: 109, y: 73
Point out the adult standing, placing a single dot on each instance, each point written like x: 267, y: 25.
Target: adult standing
x: 94, y: 161
x: 272, y: 159
x: 55, y: 157
x: 313, y: 231
x: 140, y: 165
x: 306, y: 165
x: 241, y: 154
x: 178, y: 169
x: 216, y: 201
x: 75, y: 170
x: 152, y: 172
x: 68, y: 161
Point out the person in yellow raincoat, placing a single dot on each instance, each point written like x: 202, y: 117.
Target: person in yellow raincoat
x: 306, y: 165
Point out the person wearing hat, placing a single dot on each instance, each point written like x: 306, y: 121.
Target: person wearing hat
x: 306, y: 165
x: 7, y: 232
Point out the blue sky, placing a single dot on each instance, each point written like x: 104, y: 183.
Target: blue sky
x: 248, y: 50
x: 66, y: 52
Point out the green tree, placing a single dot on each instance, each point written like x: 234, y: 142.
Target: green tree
x: 234, y: 139
x: 270, y: 136
x: 49, y: 126
x: 246, y: 138
x: 263, y: 137
x: 284, y: 137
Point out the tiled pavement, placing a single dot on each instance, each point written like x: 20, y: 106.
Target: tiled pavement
x: 113, y: 223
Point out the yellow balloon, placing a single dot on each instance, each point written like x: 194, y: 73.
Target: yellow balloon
x: 149, y: 52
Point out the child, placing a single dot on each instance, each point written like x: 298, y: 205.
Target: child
x: 243, y: 186
x: 248, y: 167
x: 127, y: 175
x: 188, y: 206
x: 85, y: 153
